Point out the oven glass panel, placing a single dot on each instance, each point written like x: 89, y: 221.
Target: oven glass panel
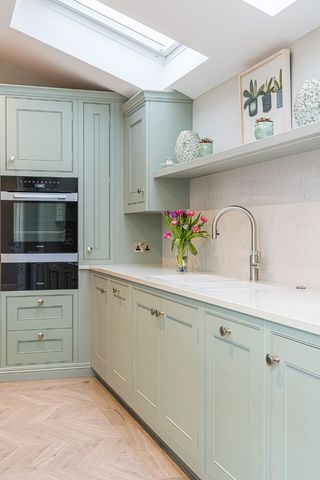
x: 39, y: 227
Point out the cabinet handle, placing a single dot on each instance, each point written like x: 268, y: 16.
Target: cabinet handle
x: 158, y: 313
x: 40, y: 301
x: 272, y: 359
x: 116, y: 291
x: 40, y: 335
x: 12, y: 158
x: 153, y: 311
x: 140, y: 190
x: 224, y: 331
x: 89, y: 249
x: 102, y: 290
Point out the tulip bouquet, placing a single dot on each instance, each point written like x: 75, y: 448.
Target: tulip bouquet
x: 183, y: 227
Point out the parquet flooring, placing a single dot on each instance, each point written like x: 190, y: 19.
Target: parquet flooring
x: 74, y: 429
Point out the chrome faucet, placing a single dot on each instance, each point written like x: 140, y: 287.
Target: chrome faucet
x: 254, y: 254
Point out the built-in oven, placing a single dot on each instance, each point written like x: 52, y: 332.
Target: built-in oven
x: 39, y: 233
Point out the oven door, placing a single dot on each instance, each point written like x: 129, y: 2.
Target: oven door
x: 39, y: 223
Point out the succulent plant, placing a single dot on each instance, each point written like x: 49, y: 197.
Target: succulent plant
x: 253, y: 93
x: 206, y: 140
x: 263, y: 119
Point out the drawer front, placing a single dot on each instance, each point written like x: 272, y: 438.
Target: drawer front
x: 39, y: 312
x: 35, y: 346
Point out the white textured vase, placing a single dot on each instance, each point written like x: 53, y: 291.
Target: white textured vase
x: 187, y: 146
x: 307, y: 105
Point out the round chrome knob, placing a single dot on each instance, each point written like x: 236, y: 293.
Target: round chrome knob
x: 40, y: 301
x: 140, y: 190
x: 272, y: 359
x: 40, y: 335
x: 224, y: 331
x: 12, y: 158
x: 89, y: 249
x: 153, y: 311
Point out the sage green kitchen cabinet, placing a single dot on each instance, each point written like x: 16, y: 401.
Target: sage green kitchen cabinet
x: 146, y: 342
x: 120, y: 339
x: 234, y: 415
x: 99, y: 326
x: 294, y: 397
x: 96, y: 182
x: 152, y: 123
x: 39, y: 135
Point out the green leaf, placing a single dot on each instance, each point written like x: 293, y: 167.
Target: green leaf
x: 251, y: 87
x: 246, y: 94
x: 193, y: 249
x: 247, y: 103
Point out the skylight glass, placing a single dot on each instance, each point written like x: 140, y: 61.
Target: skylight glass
x: 124, y: 25
x: 271, y: 7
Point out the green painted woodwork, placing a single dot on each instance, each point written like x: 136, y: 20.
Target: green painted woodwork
x: 99, y: 325
x: 235, y: 402
x: 39, y: 346
x: 39, y: 135
x: 153, y: 121
x: 294, y: 420
x: 39, y: 311
x: 96, y: 177
x: 120, y: 339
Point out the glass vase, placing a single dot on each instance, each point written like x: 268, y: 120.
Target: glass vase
x: 182, y: 259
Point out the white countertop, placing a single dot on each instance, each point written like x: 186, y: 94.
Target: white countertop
x: 283, y: 305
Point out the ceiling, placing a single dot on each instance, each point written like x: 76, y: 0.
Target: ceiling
x: 231, y: 33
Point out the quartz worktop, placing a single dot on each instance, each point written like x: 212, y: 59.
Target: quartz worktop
x: 280, y: 304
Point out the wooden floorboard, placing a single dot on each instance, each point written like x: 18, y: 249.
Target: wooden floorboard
x: 74, y: 429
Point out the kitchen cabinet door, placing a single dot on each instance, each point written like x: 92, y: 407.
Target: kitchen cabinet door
x: 99, y: 326
x: 234, y: 400
x: 294, y: 410
x: 120, y: 340
x: 96, y: 205
x: 146, y: 357
x: 39, y: 135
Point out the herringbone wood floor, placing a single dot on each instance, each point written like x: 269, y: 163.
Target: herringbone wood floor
x: 74, y: 429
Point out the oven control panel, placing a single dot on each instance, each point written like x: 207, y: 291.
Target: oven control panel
x: 39, y: 184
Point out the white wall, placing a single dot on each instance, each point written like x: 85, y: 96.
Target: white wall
x: 283, y: 194
x: 14, y: 75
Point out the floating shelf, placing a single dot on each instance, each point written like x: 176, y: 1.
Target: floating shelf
x: 292, y: 142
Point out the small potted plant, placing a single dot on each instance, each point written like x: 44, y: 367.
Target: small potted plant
x: 205, y: 147
x: 268, y: 88
x: 263, y: 128
x: 183, y: 228
x: 251, y: 97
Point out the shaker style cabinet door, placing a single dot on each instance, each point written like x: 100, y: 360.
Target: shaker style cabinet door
x: 235, y: 400
x: 99, y: 326
x: 39, y: 135
x: 294, y: 410
x: 96, y: 205
x: 135, y: 157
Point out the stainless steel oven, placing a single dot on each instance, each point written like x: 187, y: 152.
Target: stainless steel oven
x: 39, y: 233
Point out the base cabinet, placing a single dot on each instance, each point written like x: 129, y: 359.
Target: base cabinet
x: 234, y: 413
x: 294, y: 410
x: 99, y: 325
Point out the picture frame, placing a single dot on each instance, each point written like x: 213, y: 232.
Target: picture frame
x: 265, y: 95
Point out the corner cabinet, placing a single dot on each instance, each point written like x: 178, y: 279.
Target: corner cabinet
x: 152, y: 123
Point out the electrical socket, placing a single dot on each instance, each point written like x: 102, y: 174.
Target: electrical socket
x: 142, y: 247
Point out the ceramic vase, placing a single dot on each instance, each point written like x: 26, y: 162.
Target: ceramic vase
x: 205, y: 149
x: 263, y: 130
x: 186, y: 148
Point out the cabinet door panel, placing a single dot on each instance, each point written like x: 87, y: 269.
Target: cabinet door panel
x: 100, y: 298
x: 135, y: 157
x: 295, y: 420
x: 120, y: 339
x: 180, y: 385
x: 147, y: 360
x: 235, y: 412
x: 96, y: 183
x: 39, y: 135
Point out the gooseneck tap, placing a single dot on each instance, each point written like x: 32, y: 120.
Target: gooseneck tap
x: 254, y: 254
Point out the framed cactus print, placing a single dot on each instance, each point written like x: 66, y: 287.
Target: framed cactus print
x: 265, y: 97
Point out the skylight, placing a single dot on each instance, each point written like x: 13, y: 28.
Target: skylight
x: 271, y: 7
x: 124, y: 26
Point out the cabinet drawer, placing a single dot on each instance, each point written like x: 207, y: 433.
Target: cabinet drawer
x: 39, y: 311
x: 35, y: 346
x: 119, y: 291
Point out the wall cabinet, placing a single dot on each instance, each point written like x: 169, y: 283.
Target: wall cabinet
x: 99, y: 326
x: 152, y: 123
x: 294, y: 409
x: 235, y: 401
x: 96, y: 186
x: 39, y: 135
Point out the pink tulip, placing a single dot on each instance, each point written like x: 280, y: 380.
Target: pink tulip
x: 190, y: 213
x: 203, y: 219
x: 195, y: 229
x: 167, y: 235
x: 179, y: 212
x: 174, y: 223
